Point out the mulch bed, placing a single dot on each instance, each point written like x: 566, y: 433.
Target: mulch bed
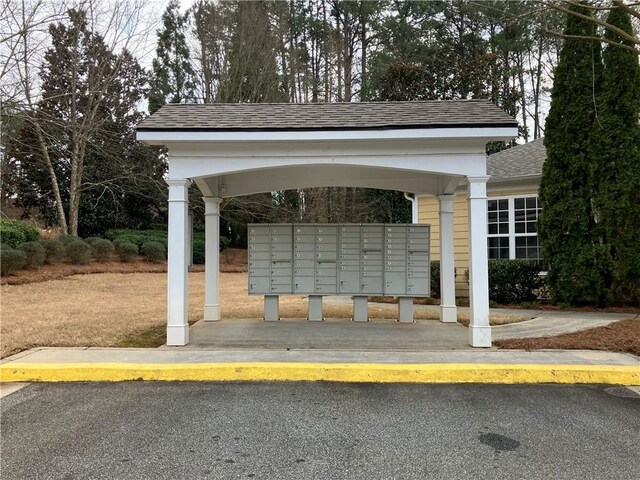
x: 623, y: 336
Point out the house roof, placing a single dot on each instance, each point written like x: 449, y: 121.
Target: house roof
x: 517, y: 162
x: 327, y: 116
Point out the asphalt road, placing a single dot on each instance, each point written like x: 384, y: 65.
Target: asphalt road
x: 319, y: 431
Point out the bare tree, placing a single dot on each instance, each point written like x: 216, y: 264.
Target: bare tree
x: 631, y: 7
x: 120, y: 26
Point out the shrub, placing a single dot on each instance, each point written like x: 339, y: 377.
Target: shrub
x: 127, y: 251
x: 91, y: 240
x: 153, y: 252
x: 224, y: 242
x: 78, y: 252
x: 54, y: 251
x: 117, y: 241
x: 35, y: 254
x: 435, y: 279
x: 11, y: 259
x: 513, y: 281
x: 16, y: 232
x: 66, y: 239
x: 102, y: 250
x: 198, y: 251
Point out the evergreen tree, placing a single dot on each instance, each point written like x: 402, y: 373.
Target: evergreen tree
x: 173, y: 76
x: 616, y: 160
x: 576, y: 260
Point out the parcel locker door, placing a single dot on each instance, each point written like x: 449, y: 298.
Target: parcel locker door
x: 349, y: 282
x: 259, y: 285
x: 418, y: 286
x: 395, y: 283
x: 371, y: 285
x: 303, y: 285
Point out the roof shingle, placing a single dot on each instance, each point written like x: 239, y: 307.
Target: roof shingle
x: 516, y: 162
x: 327, y: 116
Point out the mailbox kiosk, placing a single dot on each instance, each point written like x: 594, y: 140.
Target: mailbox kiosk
x: 339, y: 259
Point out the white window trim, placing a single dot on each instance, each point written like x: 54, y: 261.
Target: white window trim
x: 512, y: 221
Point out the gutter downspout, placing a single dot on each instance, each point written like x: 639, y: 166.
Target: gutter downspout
x: 414, y: 206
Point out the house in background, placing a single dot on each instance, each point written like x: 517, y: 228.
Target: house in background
x: 513, y: 209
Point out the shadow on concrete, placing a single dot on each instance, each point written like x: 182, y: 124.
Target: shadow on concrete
x: 331, y: 334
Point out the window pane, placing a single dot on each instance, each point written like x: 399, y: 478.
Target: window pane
x: 519, y: 227
x: 519, y: 215
x: 532, y: 202
x: 492, y: 205
x: 503, y: 217
x: 503, y: 204
x: 519, y: 203
x: 493, y: 217
x: 493, y: 228
x: 531, y: 227
x: 532, y: 215
x: 504, y: 228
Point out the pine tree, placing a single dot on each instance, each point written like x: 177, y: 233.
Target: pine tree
x: 253, y: 73
x: 616, y: 160
x: 173, y: 77
x: 576, y: 260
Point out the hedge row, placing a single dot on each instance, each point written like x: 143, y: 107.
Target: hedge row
x: 15, y: 232
x: 140, y: 237
x: 513, y: 281
x: 76, y: 250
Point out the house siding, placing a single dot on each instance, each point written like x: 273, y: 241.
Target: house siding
x: 428, y: 213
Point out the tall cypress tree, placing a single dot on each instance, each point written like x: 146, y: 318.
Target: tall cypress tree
x: 576, y: 260
x: 615, y: 153
x: 173, y: 77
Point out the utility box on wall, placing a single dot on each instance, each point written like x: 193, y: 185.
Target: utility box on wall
x: 335, y: 259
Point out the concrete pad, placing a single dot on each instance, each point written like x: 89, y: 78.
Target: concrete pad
x: 557, y: 323
x: 332, y: 334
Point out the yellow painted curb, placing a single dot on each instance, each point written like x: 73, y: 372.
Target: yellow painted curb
x: 331, y: 372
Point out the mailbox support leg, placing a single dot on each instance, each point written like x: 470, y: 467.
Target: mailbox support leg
x: 360, y: 310
x: 405, y: 310
x: 315, y: 308
x: 448, y: 309
x: 271, y: 308
x: 178, y: 280
x: 479, y: 329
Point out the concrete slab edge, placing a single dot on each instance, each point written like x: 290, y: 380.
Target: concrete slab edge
x: 330, y: 372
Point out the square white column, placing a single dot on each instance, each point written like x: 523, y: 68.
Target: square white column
x: 211, y: 258
x: 448, y: 309
x: 479, y: 329
x: 177, y: 263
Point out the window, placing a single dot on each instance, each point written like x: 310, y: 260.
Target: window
x: 512, y: 227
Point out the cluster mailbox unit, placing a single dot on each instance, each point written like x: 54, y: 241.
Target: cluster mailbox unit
x: 339, y: 259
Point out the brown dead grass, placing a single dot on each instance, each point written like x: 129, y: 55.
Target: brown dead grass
x: 623, y: 336
x: 112, y: 309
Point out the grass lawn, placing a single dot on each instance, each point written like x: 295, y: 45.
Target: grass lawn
x: 129, y: 309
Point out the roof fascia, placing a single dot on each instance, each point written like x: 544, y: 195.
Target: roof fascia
x: 485, y: 134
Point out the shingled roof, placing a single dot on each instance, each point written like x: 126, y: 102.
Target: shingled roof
x: 327, y: 116
x: 517, y: 162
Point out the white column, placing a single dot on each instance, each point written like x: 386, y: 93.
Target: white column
x: 479, y: 329
x: 448, y: 309
x: 211, y: 258
x: 177, y: 265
